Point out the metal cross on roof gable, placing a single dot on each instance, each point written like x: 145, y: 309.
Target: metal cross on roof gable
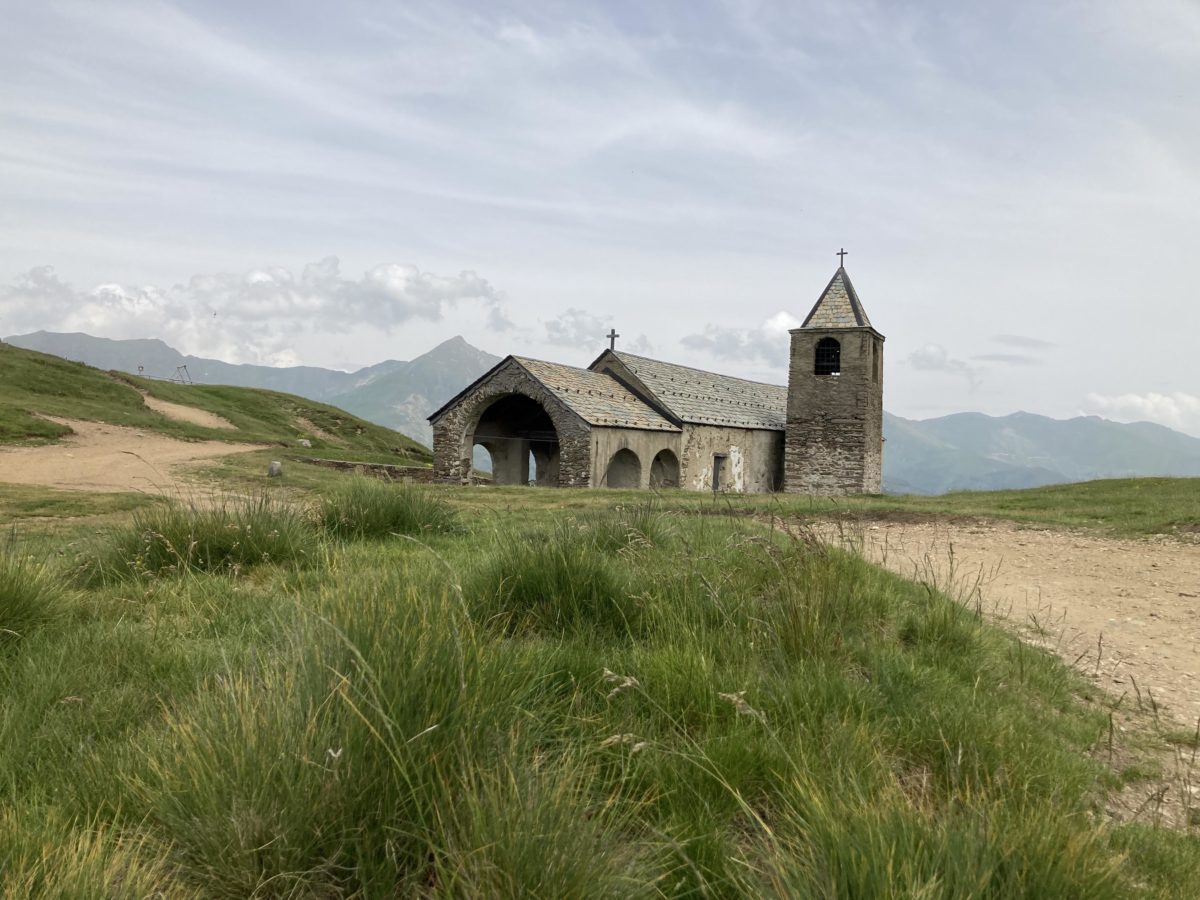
x: 841, y: 255
x: 612, y: 339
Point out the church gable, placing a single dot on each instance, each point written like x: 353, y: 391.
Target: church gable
x: 596, y: 397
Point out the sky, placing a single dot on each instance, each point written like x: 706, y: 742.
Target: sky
x: 1017, y: 185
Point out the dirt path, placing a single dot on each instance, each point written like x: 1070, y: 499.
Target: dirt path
x: 1122, y: 611
x: 181, y: 413
x: 99, y: 457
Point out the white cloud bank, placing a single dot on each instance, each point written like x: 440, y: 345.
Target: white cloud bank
x: 1175, y: 410
x: 255, y: 316
x: 768, y: 343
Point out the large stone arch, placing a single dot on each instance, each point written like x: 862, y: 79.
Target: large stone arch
x: 511, y: 428
x: 624, y: 470
x: 455, y: 429
x: 664, y: 470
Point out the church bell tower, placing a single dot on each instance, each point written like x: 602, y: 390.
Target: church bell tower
x: 833, y: 444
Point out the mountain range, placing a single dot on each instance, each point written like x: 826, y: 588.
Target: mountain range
x: 964, y: 451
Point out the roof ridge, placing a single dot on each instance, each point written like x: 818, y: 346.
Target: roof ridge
x: 596, y: 397
x: 662, y: 362
x: 550, y: 362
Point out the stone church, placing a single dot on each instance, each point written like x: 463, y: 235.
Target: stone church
x: 627, y: 421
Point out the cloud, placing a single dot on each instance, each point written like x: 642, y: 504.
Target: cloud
x: 1175, y: 410
x: 1011, y: 359
x: 522, y: 36
x: 585, y: 331
x: 1020, y: 340
x: 934, y: 358
x: 498, y: 320
x: 253, y: 316
x: 579, y: 328
x: 767, y: 343
x: 640, y: 345
x: 1030, y: 345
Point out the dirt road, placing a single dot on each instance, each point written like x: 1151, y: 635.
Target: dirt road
x: 1121, y: 611
x: 99, y: 457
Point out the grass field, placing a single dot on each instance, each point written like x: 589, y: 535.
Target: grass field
x: 21, y: 503
x: 350, y: 689
x: 38, y: 385
x: 1129, y: 507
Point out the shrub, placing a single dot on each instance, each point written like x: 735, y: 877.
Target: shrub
x: 224, y: 538
x: 30, y: 595
x: 368, y: 508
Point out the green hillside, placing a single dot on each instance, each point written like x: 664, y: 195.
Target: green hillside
x: 395, y: 393
x: 35, y: 385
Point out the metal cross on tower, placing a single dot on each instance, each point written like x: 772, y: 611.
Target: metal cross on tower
x: 612, y: 339
x: 841, y: 255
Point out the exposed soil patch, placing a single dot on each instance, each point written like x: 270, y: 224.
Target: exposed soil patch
x: 1124, y: 612
x: 100, y: 457
x: 190, y: 414
x: 310, y: 429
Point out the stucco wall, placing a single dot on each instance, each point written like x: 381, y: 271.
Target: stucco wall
x: 835, y: 422
x: 607, y: 442
x: 754, y: 458
x: 454, y: 429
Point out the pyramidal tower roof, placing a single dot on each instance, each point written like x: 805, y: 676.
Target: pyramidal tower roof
x: 838, y: 306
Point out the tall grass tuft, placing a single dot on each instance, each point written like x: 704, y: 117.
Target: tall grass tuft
x: 44, y: 855
x: 643, y: 525
x: 389, y: 757
x: 554, y: 582
x: 368, y: 508
x: 873, y: 846
x: 225, y: 538
x: 30, y: 594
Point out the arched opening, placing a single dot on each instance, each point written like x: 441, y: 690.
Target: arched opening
x: 624, y: 470
x: 664, y: 471
x: 481, y: 459
x: 520, y: 437
x: 828, y: 357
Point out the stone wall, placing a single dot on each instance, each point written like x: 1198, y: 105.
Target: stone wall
x: 834, y: 441
x: 753, y: 458
x: 454, y: 429
x: 607, y: 442
x: 385, y: 471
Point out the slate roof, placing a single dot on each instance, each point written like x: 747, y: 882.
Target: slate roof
x: 705, y: 398
x: 596, y: 397
x: 838, y: 306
